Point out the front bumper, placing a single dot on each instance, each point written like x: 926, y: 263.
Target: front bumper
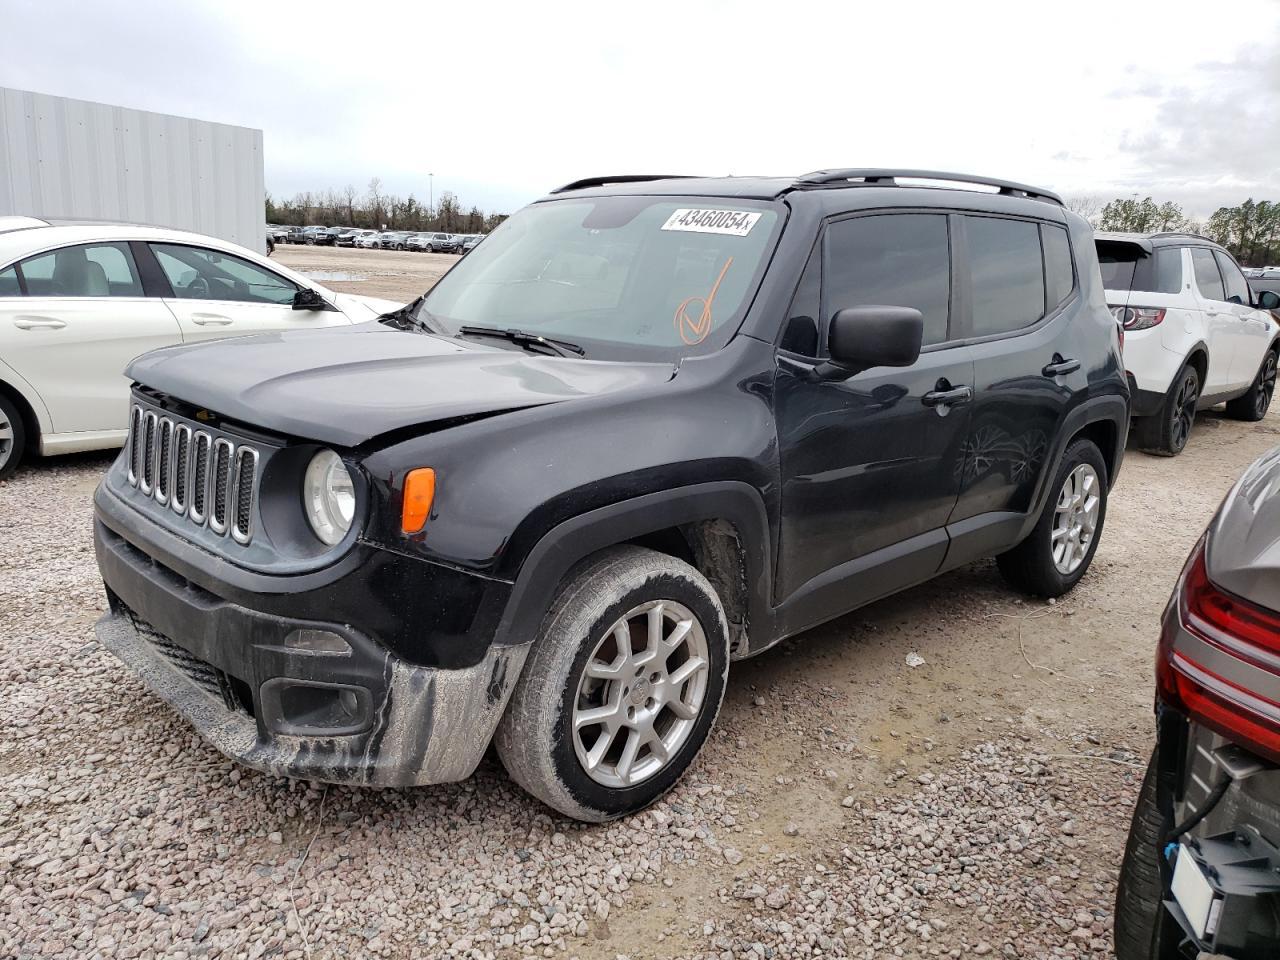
x: 346, y: 710
x: 1236, y: 847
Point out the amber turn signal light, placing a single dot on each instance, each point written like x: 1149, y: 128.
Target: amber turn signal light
x: 419, y: 492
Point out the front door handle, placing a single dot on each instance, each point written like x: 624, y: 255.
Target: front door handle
x: 39, y: 323
x: 1060, y: 367
x: 210, y: 319
x: 947, y: 396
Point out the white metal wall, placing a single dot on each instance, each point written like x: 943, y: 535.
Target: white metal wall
x: 66, y: 159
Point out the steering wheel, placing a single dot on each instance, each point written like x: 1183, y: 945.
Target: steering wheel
x: 198, y: 288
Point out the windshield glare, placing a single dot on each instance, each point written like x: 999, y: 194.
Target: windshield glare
x: 644, y: 277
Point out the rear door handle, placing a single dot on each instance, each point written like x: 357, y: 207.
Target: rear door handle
x: 947, y: 398
x: 39, y: 323
x: 210, y: 319
x: 1060, y: 367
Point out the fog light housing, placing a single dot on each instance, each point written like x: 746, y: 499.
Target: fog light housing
x: 318, y: 641
x: 313, y: 708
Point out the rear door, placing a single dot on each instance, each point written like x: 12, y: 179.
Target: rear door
x: 71, y: 319
x: 216, y: 294
x: 1254, y: 328
x: 1221, y: 321
x: 1021, y: 294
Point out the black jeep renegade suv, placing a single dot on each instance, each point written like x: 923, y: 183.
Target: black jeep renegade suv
x: 650, y: 426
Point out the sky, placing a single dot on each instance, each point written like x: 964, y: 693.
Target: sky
x: 501, y: 102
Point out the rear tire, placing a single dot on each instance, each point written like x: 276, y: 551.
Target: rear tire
x: 605, y: 718
x: 1058, y: 551
x: 1143, y: 928
x: 1252, y: 406
x: 13, y: 437
x: 1166, y: 433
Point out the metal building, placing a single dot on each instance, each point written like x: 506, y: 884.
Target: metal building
x: 64, y: 159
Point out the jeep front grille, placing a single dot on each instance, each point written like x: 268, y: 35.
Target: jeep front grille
x: 207, y: 479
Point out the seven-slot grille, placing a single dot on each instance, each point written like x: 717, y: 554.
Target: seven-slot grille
x: 206, y: 478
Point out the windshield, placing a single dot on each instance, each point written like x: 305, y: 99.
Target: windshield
x: 635, y: 277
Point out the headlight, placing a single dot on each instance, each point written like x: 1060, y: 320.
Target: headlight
x: 328, y: 497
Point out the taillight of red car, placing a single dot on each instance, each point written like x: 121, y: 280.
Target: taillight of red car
x: 1237, y: 628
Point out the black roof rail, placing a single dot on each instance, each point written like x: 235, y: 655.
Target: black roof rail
x: 1184, y: 233
x: 624, y: 178
x: 877, y: 176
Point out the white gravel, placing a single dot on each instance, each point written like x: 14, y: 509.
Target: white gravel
x: 846, y: 805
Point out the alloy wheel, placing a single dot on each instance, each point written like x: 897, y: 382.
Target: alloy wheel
x: 1266, y: 385
x: 640, y: 694
x: 1184, y: 411
x: 1075, y: 519
x: 6, y: 439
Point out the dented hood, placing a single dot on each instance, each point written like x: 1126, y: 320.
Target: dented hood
x: 346, y: 385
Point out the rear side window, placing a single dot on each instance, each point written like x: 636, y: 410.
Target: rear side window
x: 1208, y: 279
x: 1006, y: 274
x: 900, y: 260
x: 1236, y: 285
x: 1059, y: 275
x: 87, y: 270
x: 1125, y: 267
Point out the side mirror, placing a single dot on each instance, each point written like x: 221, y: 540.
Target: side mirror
x: 1269, y: 300
x: 308, y: 299
x: 864, y: 337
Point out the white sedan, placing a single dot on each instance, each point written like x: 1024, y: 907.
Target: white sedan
x: 77, y: 303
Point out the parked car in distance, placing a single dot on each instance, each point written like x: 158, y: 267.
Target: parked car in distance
x: 350, y: 236
x: 370, y: 239
x: 443, y: 243
x: 296, y: 234
x: 393, y: 240
x: 77, y: 303
x: 1201, y: 869
x: 472, y: 242
x: 571, y: 509
x: 418, y: 241
x: 278, y: 233
x: 1194, y: 335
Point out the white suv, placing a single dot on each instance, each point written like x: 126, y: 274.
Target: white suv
x: 1193, y: 333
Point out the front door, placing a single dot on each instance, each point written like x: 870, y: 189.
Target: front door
x: 874, y: 461
x: 1253, y: 328
x: 70, y: 321
x: 1220, y: 322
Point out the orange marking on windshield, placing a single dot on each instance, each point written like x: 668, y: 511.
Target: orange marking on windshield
x: 694, y: 330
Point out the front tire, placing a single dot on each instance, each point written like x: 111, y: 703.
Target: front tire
x: 1144, y: 930
x: 1252, y: 406
x: 13, y: 438
x: 1166, y: 433
x: 1058, y: 551
x: 622, y: 687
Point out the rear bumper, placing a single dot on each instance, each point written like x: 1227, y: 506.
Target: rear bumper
x: 1237, y: 844
x: 345, y: 710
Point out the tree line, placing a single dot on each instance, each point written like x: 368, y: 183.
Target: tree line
x: 1251, y: 230
x: 376, y: 209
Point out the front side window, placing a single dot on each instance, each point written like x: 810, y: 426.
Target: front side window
x: 87, y: 270
x: 1237, y: 288
x: 197, y: 273
x: 637, y: 277
x: 1005, y: 273
x: 1208, y: 279
x: 897, y: 260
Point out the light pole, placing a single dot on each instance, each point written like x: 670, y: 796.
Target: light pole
x: 431, y: 195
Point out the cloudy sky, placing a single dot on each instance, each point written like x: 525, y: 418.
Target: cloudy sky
x: 502, y: 101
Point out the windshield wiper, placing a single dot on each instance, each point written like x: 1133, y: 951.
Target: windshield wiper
x: 563, y: 348
x: 409, y: 318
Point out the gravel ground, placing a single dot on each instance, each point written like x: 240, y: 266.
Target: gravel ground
x: 845, y: 805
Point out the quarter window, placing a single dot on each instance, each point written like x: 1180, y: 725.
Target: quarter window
x: 9, y: 285
x: 1006, y: 274
x: 1237, y: 288
x: 900, y: 260
x: 88, y: 270
x: 1208, y: 279
x: 197, y: 273
x: 1059, y: 275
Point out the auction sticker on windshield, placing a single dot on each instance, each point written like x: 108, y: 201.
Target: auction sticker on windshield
x: 733, y: 223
